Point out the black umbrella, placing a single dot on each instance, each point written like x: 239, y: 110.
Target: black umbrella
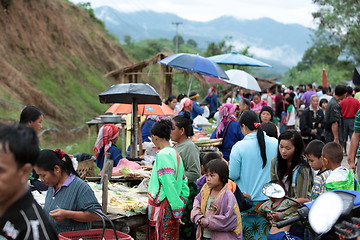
x: 127, y: 92
x: 131, y: 93
x: 356, y: 76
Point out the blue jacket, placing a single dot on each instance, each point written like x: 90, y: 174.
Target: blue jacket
x: 196, y: 110
x: 233, y: 135
x: 115, y: 154
x: 213, y: 102
x: 145, y: 130
x: 245, y: 167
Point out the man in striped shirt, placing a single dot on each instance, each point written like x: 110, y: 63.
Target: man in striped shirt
x: 20, y: 216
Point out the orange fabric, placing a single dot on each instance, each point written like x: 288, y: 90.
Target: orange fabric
x: 231, y: 186
x: 143, y: 109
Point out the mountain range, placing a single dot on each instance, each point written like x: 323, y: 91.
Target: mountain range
x: 267, y: 38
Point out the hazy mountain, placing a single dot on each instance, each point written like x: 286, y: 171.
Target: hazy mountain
x: 268, y: 39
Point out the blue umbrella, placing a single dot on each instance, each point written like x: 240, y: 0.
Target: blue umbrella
x: 194, y: 64
x: 237, y: 59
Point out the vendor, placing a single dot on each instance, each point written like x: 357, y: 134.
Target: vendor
x: 68, y: 196
x: 146, y: 126
x: 196, y: 109
x: 105, y: 142
x: 228, y: 130
x: 32, y: 117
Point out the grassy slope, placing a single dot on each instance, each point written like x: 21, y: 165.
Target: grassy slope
x: 67, y: 67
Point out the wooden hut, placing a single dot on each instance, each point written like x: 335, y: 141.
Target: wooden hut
x: 140, y: 72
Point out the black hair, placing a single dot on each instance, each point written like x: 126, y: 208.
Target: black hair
x: 357, y: 89
x: 181, y: 96
x: 162, y: 128
x: 292, y: 94
x: 340, y: 90
x: 323, y: 100
x: 291, y: 88
x: 349, y: 90
x: 267, y: 109
x: 334, y: 152
x: 30, y: 114
x: 290, y: 100
x: 298, y: 158
x: 169, y: 99
x: 184, y: 121
x: 325, y: 90
x: 309, y: 85
x: 249, y: 118
x: 315, y: 148
x: 48, y: 159
x: 270, y: 129
x: 207, y: 157
x: 320, y: 87
x: 246, y: 102
x: 220, y: 167
x: 21, y: 141
x: 256, y: 94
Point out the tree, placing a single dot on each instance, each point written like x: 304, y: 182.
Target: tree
x: 218, y: 48
x: 192, y: 43
x: 342, y: 20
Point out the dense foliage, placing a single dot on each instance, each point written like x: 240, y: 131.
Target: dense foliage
x: 335, y: 44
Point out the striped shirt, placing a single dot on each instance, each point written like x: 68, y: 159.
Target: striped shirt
x: 74, y: 195
x: 319, y: 181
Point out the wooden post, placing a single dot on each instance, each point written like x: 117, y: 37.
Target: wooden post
x: 140, y: 138
x: 105, y: 177
x: 89, y: 138
x: 162, y: 81
x: 168, y: 83
x: 123, y: 136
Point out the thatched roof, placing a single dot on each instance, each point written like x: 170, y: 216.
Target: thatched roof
x: 139, y: 66
x: 267, y: 83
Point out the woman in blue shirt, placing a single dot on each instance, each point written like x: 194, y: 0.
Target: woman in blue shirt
x: 249, y: 168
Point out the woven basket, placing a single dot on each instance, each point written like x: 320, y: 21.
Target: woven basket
x: 86, y: 168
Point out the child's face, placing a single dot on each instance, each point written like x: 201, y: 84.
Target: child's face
x: 213, y: 180
x: 314, y: 162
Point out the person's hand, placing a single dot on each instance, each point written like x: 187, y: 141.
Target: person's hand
x: 351, y: 165
x: 336, y: 140
x: 275, y: 216
x: 178, y: 220
x: 247, y: 195
x: 313, y: 131
x: 59, y: 214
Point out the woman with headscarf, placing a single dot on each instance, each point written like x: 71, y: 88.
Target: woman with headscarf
x: 185, y: 105
x: 212, y: 101
x: 266, y: 114
x: 228, y: 129
x: 105, y: 142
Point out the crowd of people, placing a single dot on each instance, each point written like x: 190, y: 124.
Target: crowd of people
x: 295, y: 138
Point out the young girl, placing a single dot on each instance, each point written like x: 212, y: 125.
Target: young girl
x: 215, y: 209
x: 291, y: 113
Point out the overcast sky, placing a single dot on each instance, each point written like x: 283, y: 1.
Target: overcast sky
x: 285, y: 11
